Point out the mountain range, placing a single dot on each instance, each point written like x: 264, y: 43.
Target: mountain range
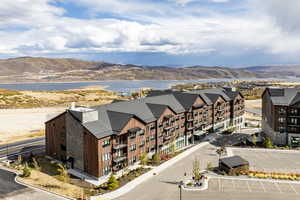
x: 69, y: 69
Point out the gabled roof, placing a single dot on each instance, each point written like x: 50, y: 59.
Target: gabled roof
x: 185, y: 99
x: 118, y: 120
x: 213, y: 97
x: 113, y: 117
x: 157, y: 109
x: 283, y: 96
x: 296, y: 99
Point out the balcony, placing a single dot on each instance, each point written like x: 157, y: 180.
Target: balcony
x: 190, y: 128
x: 119, y: 145
x: 119, y: 158
x: 190, y: 119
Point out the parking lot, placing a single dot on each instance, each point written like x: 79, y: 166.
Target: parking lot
x: 270, y: 160
x: 231, y: 185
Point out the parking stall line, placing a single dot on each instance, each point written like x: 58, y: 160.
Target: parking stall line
x: 233, y: 184
x: 262, y: 186
x: 220, y: 185
x: 248, y: 186
x: 293, y: 188
x: 278, y: 187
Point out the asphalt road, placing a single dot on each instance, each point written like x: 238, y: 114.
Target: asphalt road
x: 23, y: 147
x: 8, y: 184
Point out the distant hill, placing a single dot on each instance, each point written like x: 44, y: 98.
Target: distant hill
x: 67, y: 69
x: 287, y: 70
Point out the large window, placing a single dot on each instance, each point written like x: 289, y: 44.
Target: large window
x: 106, y: 170
x: 106, y: 143
x: 281, y: 119
x: 105, y: 157
x: 282, y: 110
x: 293, y: 111
x: 295, y: 141
x: 133, y: 147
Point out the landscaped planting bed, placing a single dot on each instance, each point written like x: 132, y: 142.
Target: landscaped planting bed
x: 272, y: 175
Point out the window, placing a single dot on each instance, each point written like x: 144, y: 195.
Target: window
x: 141, y: 132
x: 132, y: 160
x: 142, y: 143
x: 293, y: 120
x: 105, y: 157
x: 106, y: 170
x: 281, y: 111
x: 281, y: 129
x: 182, y: 117
x: 132, y: 136
x: 133, y: 147
x: 106, y: 143
x: 293, y: 111
x: 152, y: 137
x: 147, y: 139
x: 177, y: 127
x: 281, y: 119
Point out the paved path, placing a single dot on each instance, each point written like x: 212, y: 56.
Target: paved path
x: 10, y: 190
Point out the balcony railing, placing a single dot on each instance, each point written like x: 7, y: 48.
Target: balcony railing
x: 119, y: 145
x: 119, y: 158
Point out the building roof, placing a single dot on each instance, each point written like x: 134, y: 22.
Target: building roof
x: 234, y: 161
x: 113, y: 117
x: 284, y: 96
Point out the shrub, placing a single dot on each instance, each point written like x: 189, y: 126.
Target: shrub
x: 35, y: 164
x: 268, y: 143
x: 196, y: 170
x: 63, y: 173
x: 112, y: 183
x: 26, y: 171
x: 156, y: 159
x: 209, y: 166
x: 144, y: 159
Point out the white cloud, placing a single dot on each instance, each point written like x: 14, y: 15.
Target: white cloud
x: 265, y: 26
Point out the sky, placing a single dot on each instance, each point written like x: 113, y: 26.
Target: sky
x: 154, y: 32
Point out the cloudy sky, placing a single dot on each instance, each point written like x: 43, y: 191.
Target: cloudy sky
x: 154, y: 32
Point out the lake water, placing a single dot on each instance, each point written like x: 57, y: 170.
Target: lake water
x: 116, y: 86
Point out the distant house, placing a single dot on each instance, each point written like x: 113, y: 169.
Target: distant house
x: 233, y: 165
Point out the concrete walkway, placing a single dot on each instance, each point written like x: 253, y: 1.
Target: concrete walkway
x: 131, y: 185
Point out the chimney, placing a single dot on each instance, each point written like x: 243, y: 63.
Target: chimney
x: 73, y: 105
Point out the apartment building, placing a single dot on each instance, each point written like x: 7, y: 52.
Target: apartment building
x: 281, y: 115
x: 109, y: 138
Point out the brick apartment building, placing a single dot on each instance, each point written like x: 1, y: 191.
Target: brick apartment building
x: 109, y: 138
x: 281, y: 115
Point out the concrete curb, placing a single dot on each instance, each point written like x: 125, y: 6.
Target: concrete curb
x: 43, y: 190
x: 33, y: 187
x: 131, y: 185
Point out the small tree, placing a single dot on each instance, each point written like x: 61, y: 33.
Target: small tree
x: 35, y: 164
x: 26, y: 171
x: 156, y: 159
x: 254, y: 139
x: 144, y: 158
x: 63, y: 173
x: 196, y: 170
x: 209, y: 166
x: 112, y: 183
x: 268, y: 143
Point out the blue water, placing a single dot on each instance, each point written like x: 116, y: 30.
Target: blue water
x: 116, y: 86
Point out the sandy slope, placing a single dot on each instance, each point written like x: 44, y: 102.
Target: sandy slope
x: 16, y: 122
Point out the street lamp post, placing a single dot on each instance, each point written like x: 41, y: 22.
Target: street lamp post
x: 180, y: 190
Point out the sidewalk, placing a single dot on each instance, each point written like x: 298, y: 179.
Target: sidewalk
x: 131, y: 185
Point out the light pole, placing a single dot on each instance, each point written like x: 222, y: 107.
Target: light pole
x: 180, y: 188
